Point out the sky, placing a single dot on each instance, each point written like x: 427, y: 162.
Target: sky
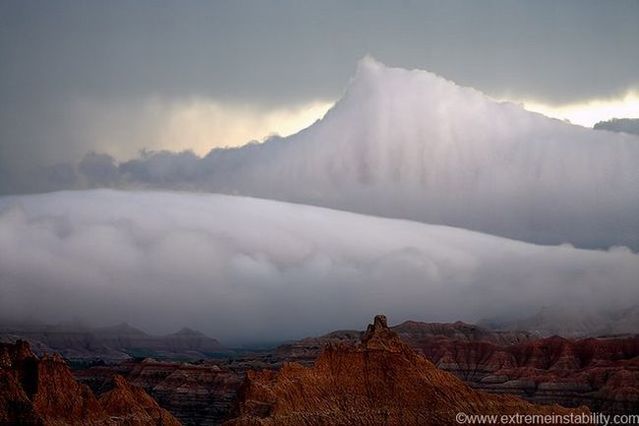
x: 118, y: 77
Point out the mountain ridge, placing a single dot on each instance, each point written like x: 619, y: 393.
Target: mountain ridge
x: 379, y: 381
x: 117, y: 342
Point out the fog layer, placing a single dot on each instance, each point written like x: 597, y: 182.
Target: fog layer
x: 244, y: 269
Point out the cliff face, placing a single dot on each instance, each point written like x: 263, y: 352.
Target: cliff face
x: 379, y: 381
x: 195, y: 393
x: 43, y: 391
x: 414, y: 333
x: 599, y: 373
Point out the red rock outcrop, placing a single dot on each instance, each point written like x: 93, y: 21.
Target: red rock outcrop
x: 128, y: 404
x: 381, y: 380
x: 601, y: 373
x: 43, y: 391
x: 202, y: 393
x: 414, y: 333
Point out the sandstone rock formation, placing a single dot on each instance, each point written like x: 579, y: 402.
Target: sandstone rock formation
x: 43, y: 391
x: 127, y: 404
x: 197, y: 394
x: 601, y: 373
x: 415, y: 333
x: 381, y: 380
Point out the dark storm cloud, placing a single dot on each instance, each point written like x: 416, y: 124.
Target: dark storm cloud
x: 275, y: 53
x: 626, y: 125
x: 283, y: 51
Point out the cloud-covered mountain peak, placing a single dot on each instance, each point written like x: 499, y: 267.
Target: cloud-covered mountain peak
x: 413, y: 128
x: 410, y: 144
x: 371, y: 74
x: 389, y: 88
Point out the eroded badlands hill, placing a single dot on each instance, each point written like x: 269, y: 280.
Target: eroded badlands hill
x: 381, y: 380
x: 602, y: 373
x: 42, y: 391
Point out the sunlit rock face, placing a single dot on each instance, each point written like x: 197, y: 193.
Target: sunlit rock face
x: 600, y: 373
x: 381, y: 380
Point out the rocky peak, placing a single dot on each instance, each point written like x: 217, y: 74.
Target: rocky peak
x: 126, y: 401
x: 379, y: 336
x: 12, y: 353
x: 377, y: 328
x: 23, y: 350
x: 120, y: 382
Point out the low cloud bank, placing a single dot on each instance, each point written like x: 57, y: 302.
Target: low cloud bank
x: 244, y: 269
x: 409, y: 144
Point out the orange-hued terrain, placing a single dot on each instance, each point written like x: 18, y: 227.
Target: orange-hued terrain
x: 43, y: 391
x: 411, y: 372
x: 381, y: 380
x: 601, y: 373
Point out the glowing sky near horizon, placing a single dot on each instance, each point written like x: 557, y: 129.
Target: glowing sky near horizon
x: 197, y: 124
x: 590, y: 112
x: 202, y: 124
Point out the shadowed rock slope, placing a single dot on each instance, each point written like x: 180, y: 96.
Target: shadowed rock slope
x: 197, y: 394
x: 131, y: 404
x: 379, y: 381
x: 42, y: 391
